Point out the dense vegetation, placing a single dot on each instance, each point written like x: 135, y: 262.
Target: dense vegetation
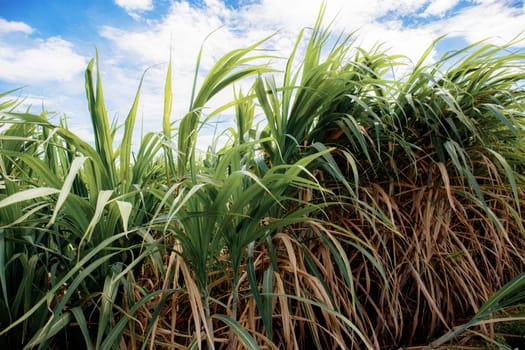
x: 366, y: 211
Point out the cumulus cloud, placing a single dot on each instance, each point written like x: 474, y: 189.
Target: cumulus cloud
x: 13, y: 26
x: 135, y: 8
x: 185, y: 26
x: 135, y: 5
x: 472, y: 23
x: 410, y: 42
x: 183, y: 29
x: 440, y: 7
x: 52, y: 59
x: 50, y: 68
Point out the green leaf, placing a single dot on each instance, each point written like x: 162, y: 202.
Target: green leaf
x: 58, y: 323
x: 243, y: 334
x: 3, y: 269
x: 102, y: 200
x: 26, y: 195
x: 82, y: 324
x: 66, y: 188
x: 109, y: 293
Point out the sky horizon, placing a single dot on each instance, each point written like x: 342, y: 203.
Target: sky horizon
x: 45, y: 46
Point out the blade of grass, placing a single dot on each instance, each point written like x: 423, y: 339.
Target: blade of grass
x: 245, y: 337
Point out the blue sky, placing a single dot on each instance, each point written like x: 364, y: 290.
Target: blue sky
x: 46, y: 45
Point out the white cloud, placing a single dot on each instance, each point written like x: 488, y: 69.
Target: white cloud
x: 473, y: 23
x: 184, y: 29
x: 135, y: 5
x: 13, y: 26
x: 83, y: 132
x: 440, y: 7
x: 52, y: 59
x: 411, y: 42
x: 50, y: 68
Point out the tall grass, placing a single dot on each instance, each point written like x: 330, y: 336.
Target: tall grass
x: 366, y: 212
